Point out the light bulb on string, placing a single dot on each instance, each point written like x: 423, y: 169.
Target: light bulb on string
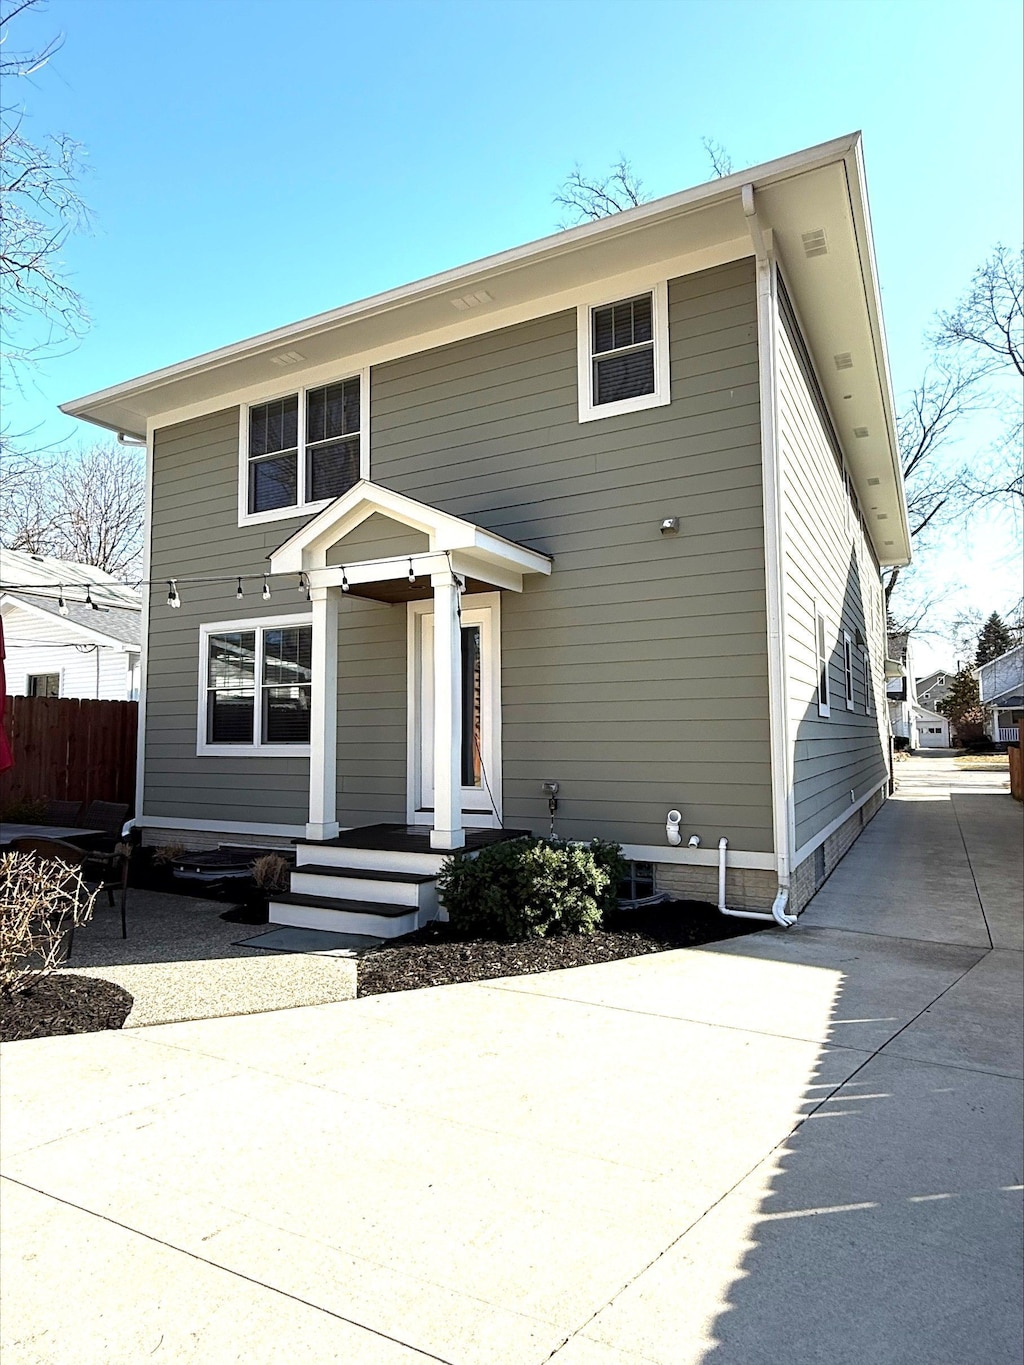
x: 266, y: 589
x: 88, y: 598
x: 301, y: 587
x: 62, y: 606
x: 344, y: 580
x: 239, y: 594
x: 173, y: 600
x: 412, y: 572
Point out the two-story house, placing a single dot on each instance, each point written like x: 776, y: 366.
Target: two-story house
x: 1001, y: 689
x: 605, y: 511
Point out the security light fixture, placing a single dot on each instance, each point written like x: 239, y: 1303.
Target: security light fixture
x: 670, y: 526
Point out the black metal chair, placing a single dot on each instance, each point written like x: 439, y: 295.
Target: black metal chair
x: 108, y: 870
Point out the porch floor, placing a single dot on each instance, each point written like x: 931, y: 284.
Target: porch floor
x: 409, y: 838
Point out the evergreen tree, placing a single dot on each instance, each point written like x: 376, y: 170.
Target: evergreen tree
x: 962, y: 706
x: 994, y: 638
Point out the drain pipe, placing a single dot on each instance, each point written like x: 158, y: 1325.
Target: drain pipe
x: 777, y: 914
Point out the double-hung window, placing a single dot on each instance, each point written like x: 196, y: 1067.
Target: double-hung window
x: 302, y: 450
x: 255, y: 687
x: 848, y: 670
x: 821, y: 643
x: 623, y: 354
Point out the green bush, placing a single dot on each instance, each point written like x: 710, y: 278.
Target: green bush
x: 530, y: 888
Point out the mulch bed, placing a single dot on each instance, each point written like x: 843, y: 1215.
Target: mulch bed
x: 63, y: 1003
x: 437, y: 956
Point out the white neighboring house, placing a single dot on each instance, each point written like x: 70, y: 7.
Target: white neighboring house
x: 1001, y: 687
x: 901, y: 692
x: 82, y: 650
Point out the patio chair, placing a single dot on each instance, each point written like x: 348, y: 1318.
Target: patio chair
x: 63, y: 813
x: 108, y: 816
x: 101, y: 868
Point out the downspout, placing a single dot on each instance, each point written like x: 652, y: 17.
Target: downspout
x: 775, y: 577
x: 777, y: 914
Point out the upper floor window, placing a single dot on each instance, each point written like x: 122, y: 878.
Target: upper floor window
x: 304, y: 449
x: 43, y: 685
x: 623, y: 363
x: 255, y: 687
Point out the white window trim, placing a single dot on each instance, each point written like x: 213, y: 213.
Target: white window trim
x: 823, y: 662
x: 588, y: 411
x: 299, y: 508
x: 259, y: 624
x: 869, y: 683
x: 849, y: 687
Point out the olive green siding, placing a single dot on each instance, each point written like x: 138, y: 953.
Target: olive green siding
x: 636, y: 675
x: 828, y: 560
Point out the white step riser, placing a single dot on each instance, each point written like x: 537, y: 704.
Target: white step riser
x: 417, y: 895
x: 345, y: 921
x: 373, y: 859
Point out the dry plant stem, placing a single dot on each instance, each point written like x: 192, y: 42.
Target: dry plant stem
x: 270, y: 873
x: 41, y: 899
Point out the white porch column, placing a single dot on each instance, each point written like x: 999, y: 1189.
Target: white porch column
x: 447, y: 832
x: 323, y: 720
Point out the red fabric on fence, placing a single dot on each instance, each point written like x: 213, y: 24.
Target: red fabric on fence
x: 6, y: 755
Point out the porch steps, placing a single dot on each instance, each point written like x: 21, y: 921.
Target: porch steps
x: 343, y: 916
x: 378, y: 880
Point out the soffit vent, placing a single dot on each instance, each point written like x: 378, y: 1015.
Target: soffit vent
x: 860, y: 432
x: 844, y: 360
x: 882, y: 516
x: 815, y: 243
x: 284, y: 358
x: 468, y: 301
x: 874, y: 482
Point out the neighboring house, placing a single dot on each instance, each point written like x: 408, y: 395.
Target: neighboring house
x: 934, y: 688
x: 901, y: 692
x: 604, y: 511
x: 71, y: 630
x: 1001, y: 687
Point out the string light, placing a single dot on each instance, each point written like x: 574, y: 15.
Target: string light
x: 301, y: 585
x: 88, y: 599
x: 344, y: 580
x: 62, y: 606
x: 412, y: 573
x: 173, y: 600
x: 239, y: 594
x: 266, y: 588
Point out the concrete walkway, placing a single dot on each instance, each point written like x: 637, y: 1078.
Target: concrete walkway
x: 790, y: 1148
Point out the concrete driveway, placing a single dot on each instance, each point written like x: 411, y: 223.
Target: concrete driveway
x: 795, y: 1147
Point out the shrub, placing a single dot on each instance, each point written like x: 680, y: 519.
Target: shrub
x: 41, y: 899
x: 270, y: 873
x: 531, y: 888
x: 24, y: 811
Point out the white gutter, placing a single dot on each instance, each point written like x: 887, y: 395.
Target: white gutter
x: 777, y: 914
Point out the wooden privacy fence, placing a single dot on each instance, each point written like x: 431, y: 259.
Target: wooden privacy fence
x: 68, y: 749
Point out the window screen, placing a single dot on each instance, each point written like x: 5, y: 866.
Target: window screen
x: 623, y: 349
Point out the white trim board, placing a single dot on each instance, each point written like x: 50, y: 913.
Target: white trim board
x: 802, y: 854
x: 587, y: 409
x: 218, y: 826
x: 699, y: 857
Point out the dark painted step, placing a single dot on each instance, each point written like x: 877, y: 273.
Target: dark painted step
x: 350, y: 907
x: 368, y: 874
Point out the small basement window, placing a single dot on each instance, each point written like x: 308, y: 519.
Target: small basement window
x: 638, y: 883
x: 623, y: 354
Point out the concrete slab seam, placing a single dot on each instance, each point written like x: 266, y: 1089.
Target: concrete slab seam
x: 214, y: 1265
x: 974, y: 879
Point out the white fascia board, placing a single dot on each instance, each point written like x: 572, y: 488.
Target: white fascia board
x: 542, y: 250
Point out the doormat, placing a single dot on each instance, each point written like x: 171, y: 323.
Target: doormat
x: 288, y: 940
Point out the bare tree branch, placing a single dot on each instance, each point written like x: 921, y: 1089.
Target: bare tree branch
x: 585, y: 200
x: 721, y: 161
x: 988, y: 319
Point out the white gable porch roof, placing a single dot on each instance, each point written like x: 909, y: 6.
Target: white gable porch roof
x: 466, y: 548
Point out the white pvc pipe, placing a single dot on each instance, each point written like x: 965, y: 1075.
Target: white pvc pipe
x: 777, y: 914
x: 672, y: 823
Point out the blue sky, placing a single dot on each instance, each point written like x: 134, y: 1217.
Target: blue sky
x: 255, y: 161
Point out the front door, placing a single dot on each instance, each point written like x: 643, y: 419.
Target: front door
x: 481, y: 775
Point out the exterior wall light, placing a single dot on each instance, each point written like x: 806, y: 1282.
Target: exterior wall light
x: 670, y: 526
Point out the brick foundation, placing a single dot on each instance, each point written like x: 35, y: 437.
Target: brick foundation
x: 194, y: 839
x: 756, y: 888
